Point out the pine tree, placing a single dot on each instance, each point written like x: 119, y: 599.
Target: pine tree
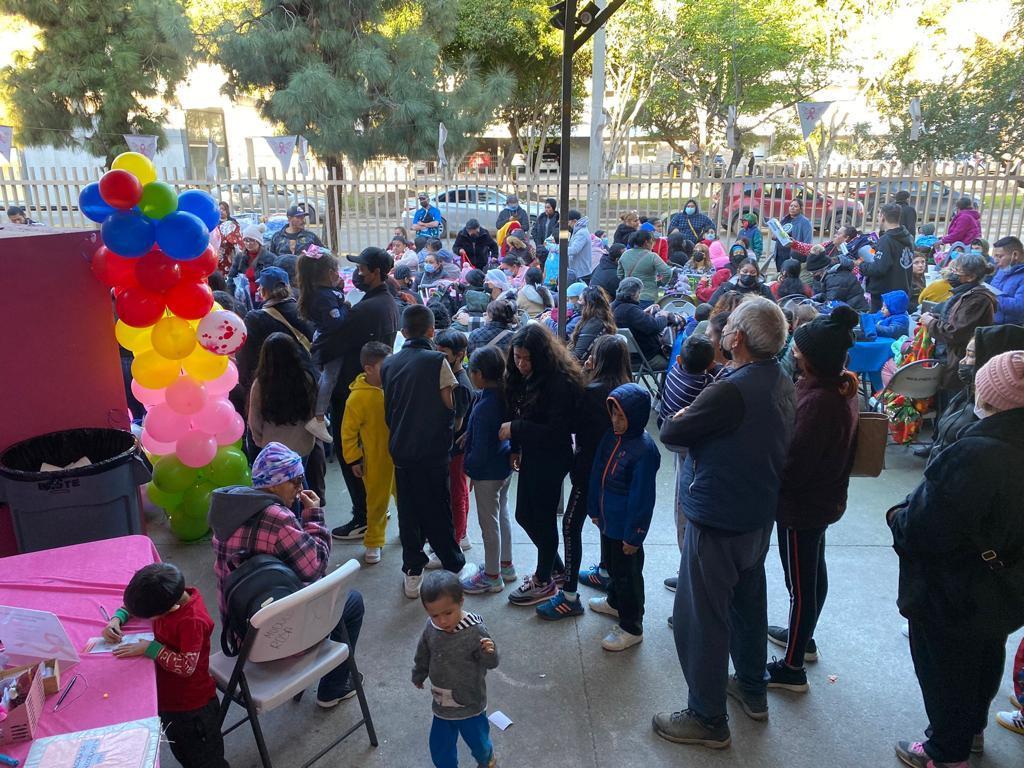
x: 99, y: 70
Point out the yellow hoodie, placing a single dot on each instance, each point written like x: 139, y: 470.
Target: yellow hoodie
x: 364, y: 437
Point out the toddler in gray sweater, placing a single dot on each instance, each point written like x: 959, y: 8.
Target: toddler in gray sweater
x: 455, y: 651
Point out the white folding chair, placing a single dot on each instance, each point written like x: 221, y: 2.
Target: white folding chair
x: 287, y: 649
x: 680, y: 307
x: 920, y: 379
x: 643, y: 371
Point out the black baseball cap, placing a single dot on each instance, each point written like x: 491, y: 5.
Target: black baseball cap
x: 375, y: 259
x: 297, y: 210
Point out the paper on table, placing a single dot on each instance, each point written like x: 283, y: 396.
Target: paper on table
x: 99, y: 645
x: 500, y: 720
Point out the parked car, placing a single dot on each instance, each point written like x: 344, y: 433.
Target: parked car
x: 247, y: 198
x: 480, y: 162
x: 772, y: 198
x: 460, y: 204
x: 549, y: 164
x: 933, y: 200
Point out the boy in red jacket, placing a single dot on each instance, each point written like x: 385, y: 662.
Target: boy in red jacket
x: 186, y: 693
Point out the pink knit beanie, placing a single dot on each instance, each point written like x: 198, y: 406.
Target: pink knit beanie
x: 1000, y: 382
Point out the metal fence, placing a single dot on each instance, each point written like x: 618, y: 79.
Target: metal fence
x: 362, y: 210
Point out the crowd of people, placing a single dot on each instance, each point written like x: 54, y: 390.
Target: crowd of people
x: 481, y: 388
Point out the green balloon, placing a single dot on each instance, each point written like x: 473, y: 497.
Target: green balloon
x: 228, y: 467
x: 166, y: 501
x: 158, y: 200
x: 171, y: 476
x: 187, y: 528
x: 196, y: 501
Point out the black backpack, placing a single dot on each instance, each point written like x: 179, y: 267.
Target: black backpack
x: 257, y: 582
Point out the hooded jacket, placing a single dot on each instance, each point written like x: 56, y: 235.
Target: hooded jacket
x: 840, y: 284
x: 753, y: 235
x: 645, y: 327
x: 249, y: 521
x: 606, y: 275
x: 1010, y: 303
x: 971, y: 306
x: 364, y: 438
x: 964, y: 227
x: 733, y: 284
x: 477, y: 299
x: 579, y: 250
x: 623, y: 479
x: 544, y: 226
x: 479, y: 248
x: 896, y: 324
x: 691, y: 225
x: 887, y: 273
x: 532, y: 301
x: 518, y: 213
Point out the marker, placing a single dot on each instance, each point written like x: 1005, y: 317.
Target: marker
x: 65, y: 694
x: 7, y: 760
x: 106, y: 615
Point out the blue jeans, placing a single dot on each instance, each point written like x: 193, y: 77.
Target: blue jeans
x: 334, y: 682
x: 444, y: 739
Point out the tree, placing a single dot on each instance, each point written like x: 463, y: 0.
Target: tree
x: 100, y: 70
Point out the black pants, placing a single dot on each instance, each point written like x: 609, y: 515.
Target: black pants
x: 803, y: 562
x: 195, y: 737
x: 347, y: 630
x: 573, y: 520
x: 540, y: 488
x: 626, y: 584
x: 959, y: 669
x: 425, y: 514
x: 315, y: 467
x: 354, y: 485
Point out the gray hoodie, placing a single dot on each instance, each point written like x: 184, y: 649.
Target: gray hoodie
x: 579, y: 250
x: 234, y: 505
x: 456, y: 667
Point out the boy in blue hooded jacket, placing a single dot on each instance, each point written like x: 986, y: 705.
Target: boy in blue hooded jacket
x: 621, y: 504
x: 893, y: 321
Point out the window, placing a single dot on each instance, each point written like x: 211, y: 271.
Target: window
x: 200, y: 126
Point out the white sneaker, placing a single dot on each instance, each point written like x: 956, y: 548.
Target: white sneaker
x: 318, y: 429
x: 433, y: 563
x: 600, y: 605
x: 412, y: 585
x: 465, y: 543
x: 372, y: 555
x: 619, y: 639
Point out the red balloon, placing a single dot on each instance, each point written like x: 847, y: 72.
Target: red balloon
x: 157, y: 272
x: 200, y: 267
x: 139, y: 308
x: 120, y: 189
x: 190, y: 301
x: 113, y: 270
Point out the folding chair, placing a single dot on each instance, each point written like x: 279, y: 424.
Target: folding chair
x: 287, y: 649
x: 643, y: 371
x: 680, y: 307
x: 920, y: 379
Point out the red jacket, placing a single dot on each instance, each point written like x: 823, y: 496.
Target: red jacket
x: 181, y: 649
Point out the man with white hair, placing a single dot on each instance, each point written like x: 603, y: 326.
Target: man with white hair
x: 737, y: 433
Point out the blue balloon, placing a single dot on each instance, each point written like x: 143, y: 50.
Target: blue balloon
x: 91, y: 204
x: 128, y: 234
x: 182, y: 235
x: 201, y: 204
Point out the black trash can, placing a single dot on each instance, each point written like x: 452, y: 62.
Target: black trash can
x: 69, y: 506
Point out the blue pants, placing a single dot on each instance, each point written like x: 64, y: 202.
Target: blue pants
x: 444, y: 739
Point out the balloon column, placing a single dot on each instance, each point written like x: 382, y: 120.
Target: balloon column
x: 156, y: 256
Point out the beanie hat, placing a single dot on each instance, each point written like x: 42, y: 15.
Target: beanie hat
x: 825, y: 340
x: 1000, y: 382
x: 276, y: 464
x: 818, y: 261
x: 253, y: 232
x: 575, y: 290
x: 498, y: 279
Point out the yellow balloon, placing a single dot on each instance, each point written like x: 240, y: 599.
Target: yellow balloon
x: 133, y: 339
x: 154, y: 371
x: 174, y: 338
x: 204, y: 366
x: 137, y: 165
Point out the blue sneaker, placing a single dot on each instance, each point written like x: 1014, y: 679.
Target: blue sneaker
x: 593, y: 577
x: 480, y: 583
x: 508, y: 574
x: 560, y: 607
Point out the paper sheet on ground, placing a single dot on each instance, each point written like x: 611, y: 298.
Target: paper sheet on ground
x: 500, y: 720
x: 99, y: 645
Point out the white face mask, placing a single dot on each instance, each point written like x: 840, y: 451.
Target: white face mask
x: 980, y: 412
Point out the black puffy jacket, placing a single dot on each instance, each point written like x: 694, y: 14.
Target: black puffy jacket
x: 840, y: 284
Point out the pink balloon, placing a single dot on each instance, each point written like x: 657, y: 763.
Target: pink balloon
x: 216, y: 417
x: 234, y: 433
x: 196, y: 449
x: 155, y: 447
x: 187, y: 396
x: 164, y: 424
x: 225, y: 382
x: 147, y: 396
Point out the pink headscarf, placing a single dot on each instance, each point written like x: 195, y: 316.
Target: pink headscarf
x: 719, y: 258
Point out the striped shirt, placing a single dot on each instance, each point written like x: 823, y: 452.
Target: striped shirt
x: 681, y: 389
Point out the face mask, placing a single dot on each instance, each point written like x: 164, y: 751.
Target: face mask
x: 748, y: 281
x: 980, y: 412
x: 358, y: 281
x: 690, y: 210
x: 726, y: 353
x: 710, y: 236
x: 953, y: 280
x: 965, y: 373
x: 429, y: 268
x: 698, y: 258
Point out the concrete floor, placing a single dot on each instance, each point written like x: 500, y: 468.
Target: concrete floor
x: 576, y: 706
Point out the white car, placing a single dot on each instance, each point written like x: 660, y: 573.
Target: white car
x: 460, y: 204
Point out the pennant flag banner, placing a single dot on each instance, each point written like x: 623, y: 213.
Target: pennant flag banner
x: 810, y: 113
x: 916, y: 122
x: 144, y: 145
x: 6, y: 140
x: 303, y: 149
x: 282, y: 147
x: 211, y: 160
x: 442, y: 137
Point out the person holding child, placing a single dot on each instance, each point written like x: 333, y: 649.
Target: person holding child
x: 186, y: 693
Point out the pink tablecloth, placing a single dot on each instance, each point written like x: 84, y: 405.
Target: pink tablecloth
x: 74, y: 582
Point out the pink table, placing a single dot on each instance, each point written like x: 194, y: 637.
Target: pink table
x: 74, y: 582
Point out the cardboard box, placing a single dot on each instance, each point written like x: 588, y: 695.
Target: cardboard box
x: 21, y: 721
x: 51, y: 675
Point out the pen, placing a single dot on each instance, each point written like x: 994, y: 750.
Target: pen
x: 8, y: 760
x: 106, y: 615
x: 65, y: 693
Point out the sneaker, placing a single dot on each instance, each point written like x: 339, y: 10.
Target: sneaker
x: 781, y: 675
x: 754, y: 707
x: 686, y: 728
x: 480, y: 583
x: 465, y: 543
x: 560, y: 607
x: 671, y: 582
x: 619, y: 639
x: 531, y: 593
x: 508, y: 574
x: 372, y: 555
x: 593, y: 577
x: 670, y: 624
x: 780, y: 636
x: 347, y: 692
x: 318, y: 428
x: 559, y: 578
x: 412, y: 585
x: 912, y: 753
x: 349, y: 531
x: 1015, y: 702
x: 600, y: 605
x: 1011, y: 721
x: 905, y: 629
x: 492, y: 763
x: 433, y: 562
